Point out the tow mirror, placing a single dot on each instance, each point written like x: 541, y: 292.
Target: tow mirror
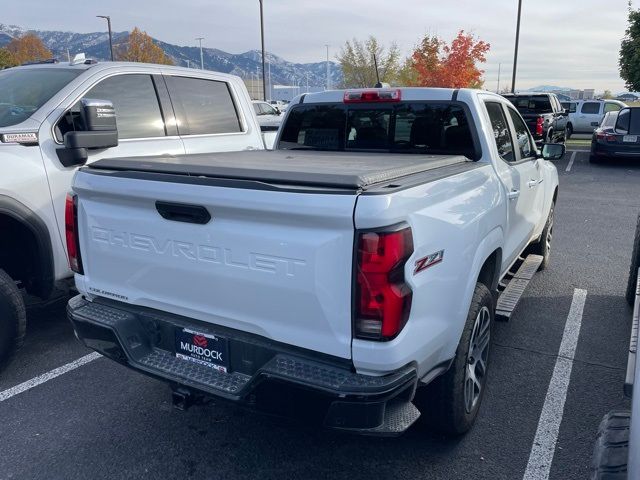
x: 553, y: 151
x: 101, y: 131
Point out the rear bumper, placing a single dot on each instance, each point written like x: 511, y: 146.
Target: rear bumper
x: 143, y: 339
x: 615, y: 150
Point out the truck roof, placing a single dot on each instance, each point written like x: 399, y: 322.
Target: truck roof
x: 407, y: 94
x: 340, y: 170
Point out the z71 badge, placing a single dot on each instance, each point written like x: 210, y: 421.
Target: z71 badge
x: 428, y: 261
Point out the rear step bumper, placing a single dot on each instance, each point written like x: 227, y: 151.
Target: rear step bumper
x: 143, y: 340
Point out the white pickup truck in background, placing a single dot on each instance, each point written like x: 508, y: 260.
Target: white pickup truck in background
x: 44, y: 138
x: 363, y: 258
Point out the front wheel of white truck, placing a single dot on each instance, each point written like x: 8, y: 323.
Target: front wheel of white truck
x: 451, y: 403
x: 13, y: 319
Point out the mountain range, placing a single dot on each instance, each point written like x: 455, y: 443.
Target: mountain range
x: 246, y: 65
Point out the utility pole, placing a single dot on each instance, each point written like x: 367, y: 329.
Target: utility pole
x: 270, y: 84
x: 515, y: 55
x: 264, y: 82
x: 201, y: 56
x: 328, y: 70
x: 499, y: 69
x: 108, y: 19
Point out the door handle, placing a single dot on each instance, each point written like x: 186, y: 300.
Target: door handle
x: 513, y: 194
x: 532, y: 183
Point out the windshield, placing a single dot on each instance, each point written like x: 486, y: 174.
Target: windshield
x: 25, y: 90
x: 433, y: 128
x: 531, y: 103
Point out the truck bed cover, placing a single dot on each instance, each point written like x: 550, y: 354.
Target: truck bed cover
x: 343, y: 170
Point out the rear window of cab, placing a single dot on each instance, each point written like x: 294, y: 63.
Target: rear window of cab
x: 419, y: 128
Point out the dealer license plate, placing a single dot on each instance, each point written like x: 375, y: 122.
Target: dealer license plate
x: 202, y: 348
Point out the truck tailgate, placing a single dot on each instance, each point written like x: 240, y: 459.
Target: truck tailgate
x: 272, y: 263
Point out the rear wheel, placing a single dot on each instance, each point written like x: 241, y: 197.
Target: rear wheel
x: 594, y: 158
x: 635, y: 265
x: 568, y: 132
x: 451, y: 403
x: 13, y: 319
x: 543, y: 246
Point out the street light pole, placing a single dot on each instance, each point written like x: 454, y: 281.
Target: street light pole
x: 515, y: 55
x: 201, y: 57
x: 328, y: 70
x: 108, y: 18
x: 264, y: 83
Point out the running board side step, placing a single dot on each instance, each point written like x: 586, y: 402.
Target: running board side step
x: 633, y: 345
x: 512, y: 293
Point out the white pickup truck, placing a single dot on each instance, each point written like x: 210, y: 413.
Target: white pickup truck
x: 44, y: 138
x: 361, y: 259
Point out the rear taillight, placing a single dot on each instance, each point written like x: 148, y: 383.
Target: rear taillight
x: 605, y: 137
x: 540, y: 126
x: 372, y: 96
x: 383, y: 297
x: 71, y: 230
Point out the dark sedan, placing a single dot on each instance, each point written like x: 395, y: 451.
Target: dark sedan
x: 618, y: 136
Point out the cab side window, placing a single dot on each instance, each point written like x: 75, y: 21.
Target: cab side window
x: 590, y: 108
x: 611, y: 107
x: 523, y: 139
x: 501, y: 131
x: 205, y: 106
x: 136, y: 104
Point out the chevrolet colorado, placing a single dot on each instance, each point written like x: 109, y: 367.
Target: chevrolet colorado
x: 361, y: 259
x: 44, y: 137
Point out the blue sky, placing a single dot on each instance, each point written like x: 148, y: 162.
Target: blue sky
x: 571, y: 43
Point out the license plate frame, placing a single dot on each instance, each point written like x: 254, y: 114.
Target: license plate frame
x: 630, y: 139
x: 202, y: 348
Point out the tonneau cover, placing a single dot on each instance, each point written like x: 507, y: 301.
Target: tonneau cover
x: 349, y: 170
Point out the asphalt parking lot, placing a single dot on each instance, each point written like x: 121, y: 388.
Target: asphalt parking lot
x: 100, y: 420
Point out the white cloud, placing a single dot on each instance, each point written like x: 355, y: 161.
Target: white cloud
x: 567, y: 43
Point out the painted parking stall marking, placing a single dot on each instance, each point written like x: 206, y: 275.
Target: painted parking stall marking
x: 544, y: 443
x: 45, y: 377
x: 573, y: 157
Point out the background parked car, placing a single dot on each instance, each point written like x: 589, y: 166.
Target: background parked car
x: 618, y: 136
x: 585, y: 115
x: 545, y: 117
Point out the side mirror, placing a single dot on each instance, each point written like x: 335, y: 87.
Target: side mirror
x: 565, y: 112
x: 99, y: 118
x: 553, y: 151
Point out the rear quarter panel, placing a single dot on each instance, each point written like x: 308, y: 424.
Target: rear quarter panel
x: 461, y: 215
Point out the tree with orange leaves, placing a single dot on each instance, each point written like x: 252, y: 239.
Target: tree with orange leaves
x: 438, y: 64
x: 28, y: 48
x: 141, y: 48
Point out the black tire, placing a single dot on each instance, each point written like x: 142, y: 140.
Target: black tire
x: 568, y: 132
x: 444, y: 403
x: 594, y: 159
x: 549, y: 137
x: 543, y: 246
x: 611, y: 451
x: 13, y: 319
x: 635, y: 265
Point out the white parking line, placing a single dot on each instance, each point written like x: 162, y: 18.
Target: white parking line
x: 544, y: 443
x: 45, y: 377
x: 573, y: 157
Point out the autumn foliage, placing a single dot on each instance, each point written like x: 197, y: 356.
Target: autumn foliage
x: 28, y: 48
x: 139, y: 47
x: 438, y: 64
x: 433, y: 63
